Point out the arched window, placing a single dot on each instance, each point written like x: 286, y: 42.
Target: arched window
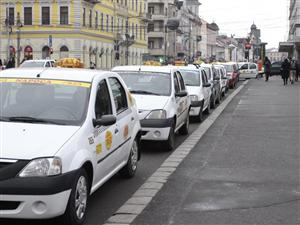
x: 64, y: 52
x: 45, y: 52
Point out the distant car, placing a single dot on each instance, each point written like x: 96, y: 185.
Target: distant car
x: 224, y: 81
x: 215, y: 83
x: 276, y: 68
x: 248, y: 70
x: 232, y: 73
x: 162, y: 101
x: 37, y: 63
x: 199, y: 90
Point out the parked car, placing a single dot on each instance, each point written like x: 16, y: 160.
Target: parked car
x: 232, y: 73
x: 161, y: 98
x: 66, y: 132
x: 38, y: 63
x: 248, y: 70
x: 224, y: 81
x: 199, y: 90
x: 276, y: 68
x: 215, y: 83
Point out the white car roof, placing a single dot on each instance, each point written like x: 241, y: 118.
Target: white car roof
x: 162, y: 69
x: 206, y: 65
x: 188, y: 68
x: 84, y: 75
x: 39, y: 60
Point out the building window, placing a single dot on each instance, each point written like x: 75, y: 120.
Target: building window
x: 11, y: 16
x: 102, y: 22
x: 83, y: 17
x: 90, y: 18
x: 27, y: 16
x: 127, y: 27
x: 141, y: 33
x: 107, y: 23
x: 64, y: 52
x: 112, y: 24
x: 136, y: 5
x: 45, y: 15
x: 64, y: 15
x: 132, y: 29
x: 150, y: 27
x: 151, y: 44
x: 136, y: 31
x: 96, y: 20
x: 144, y: 33
x: 125, y: 2
x: 132, y: 5
x: 151, y: 9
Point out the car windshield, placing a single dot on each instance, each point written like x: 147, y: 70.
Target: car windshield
x: 43, y: 101
x: 32, y: 64
x: 229, y: 68
x: 149, y: 83
x: 191, y: 77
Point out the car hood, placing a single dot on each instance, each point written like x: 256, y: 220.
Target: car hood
x: 27, y: 141
x: 146, y: 103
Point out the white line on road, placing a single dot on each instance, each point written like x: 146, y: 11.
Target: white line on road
x: 134, y: 206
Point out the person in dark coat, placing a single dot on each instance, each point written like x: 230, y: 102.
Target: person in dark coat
x: 285, y: 71
x: 267, y: 65
x: 9, y: 64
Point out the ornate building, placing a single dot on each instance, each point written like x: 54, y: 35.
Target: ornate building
x: 101, y: 33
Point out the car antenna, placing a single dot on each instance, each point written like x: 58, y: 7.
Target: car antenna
x: 39, y: 74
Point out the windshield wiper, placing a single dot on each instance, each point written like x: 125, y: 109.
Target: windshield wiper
x: 143, y: 92
x: 28, y: 119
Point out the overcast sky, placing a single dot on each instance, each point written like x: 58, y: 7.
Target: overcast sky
x: 236, y: 17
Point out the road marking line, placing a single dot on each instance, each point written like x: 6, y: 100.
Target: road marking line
x: 144, y: 195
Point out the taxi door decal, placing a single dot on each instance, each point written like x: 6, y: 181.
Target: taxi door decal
x: 108, y: 139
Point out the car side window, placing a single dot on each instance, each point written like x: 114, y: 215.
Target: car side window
x: 181, y: 82
x: 204, y: 76
x: 244, y: 67
x: 119, y: 94
x: 47, y: 64
x: 252, y: 66
x: 52, y: 64
x: 176, y: 84
x: 103, y: 101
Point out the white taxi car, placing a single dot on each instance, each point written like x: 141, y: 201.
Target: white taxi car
x: 199, y: 90
x: 248, y: 70
x: 45, y: 63
x: 161, y: 98
x: 63, y: 133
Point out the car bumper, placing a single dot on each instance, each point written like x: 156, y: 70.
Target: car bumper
x: 35, y: 197
x: 35, y: 206
x: 156, y: 129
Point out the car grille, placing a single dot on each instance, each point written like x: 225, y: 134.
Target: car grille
x: 10, y: 169
x: 4, y: 164
x: 9, y: 205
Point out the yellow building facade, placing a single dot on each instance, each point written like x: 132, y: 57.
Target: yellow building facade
x: 101, y: 34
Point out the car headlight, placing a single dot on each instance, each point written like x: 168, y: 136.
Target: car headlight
x: 42, y: 167
x: 194, y: 98
x: 157, y: 114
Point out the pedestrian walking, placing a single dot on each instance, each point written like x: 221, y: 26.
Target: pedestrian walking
x: 1, y: 65
x: 267, y: 65
x: 297, y: 70
x: 292, y: 70
x: 285, y: 71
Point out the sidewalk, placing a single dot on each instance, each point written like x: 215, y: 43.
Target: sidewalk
x: 244, y: 170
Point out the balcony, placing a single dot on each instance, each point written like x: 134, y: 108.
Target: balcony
x: 158, y: 16
x: 156, y: 51
x: 156, y: 34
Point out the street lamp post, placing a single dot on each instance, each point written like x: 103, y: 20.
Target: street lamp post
x: 19, y: 25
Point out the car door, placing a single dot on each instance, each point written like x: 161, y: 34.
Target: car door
x: 178, y: 100
x: 253, y: 70
x: 125, y: 119
x: 103, y: 141
x: 183, y: 100
x: 244, y: 70
x: 206, y: 90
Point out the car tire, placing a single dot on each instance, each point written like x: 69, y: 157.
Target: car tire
x: 213, y: 102
x: 76, y: 214
x: 184, y: 130
x: 170, y: 143
x: 207, y: 110
x: 128, y: 171
x: 218, y: 99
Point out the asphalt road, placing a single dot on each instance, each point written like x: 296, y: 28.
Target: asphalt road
x: 112, y: 195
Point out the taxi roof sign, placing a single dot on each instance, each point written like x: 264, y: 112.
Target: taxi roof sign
x: 69, y: 63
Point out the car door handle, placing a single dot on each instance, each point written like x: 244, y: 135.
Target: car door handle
x: 132, y: 118
x: 116, y: 131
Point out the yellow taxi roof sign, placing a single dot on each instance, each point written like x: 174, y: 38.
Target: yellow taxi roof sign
x: 70, y: 63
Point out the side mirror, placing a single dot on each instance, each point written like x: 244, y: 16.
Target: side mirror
x: 207, y: 85
x: 105, y: 120
x: 181, y: 94
x: 217, y: 78
x: 224, y: 77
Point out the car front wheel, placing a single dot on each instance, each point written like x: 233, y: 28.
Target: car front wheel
x: 76, y: 209
x: 170, y: 143
x: 184, y: 130
x: 130, y: 168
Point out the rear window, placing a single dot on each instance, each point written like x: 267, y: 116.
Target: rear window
x: 229, y: 68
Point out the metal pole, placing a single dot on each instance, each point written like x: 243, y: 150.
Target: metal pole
x: 190, y: 30
x: 18, y: 46
x: 165, y: 45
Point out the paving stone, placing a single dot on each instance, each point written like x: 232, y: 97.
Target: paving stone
x: 122, y: 218
x: 131, y: 209
x: 139, y: 200
x: 145, y: 193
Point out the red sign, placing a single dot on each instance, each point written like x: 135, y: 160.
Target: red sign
x: 247, y: 46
